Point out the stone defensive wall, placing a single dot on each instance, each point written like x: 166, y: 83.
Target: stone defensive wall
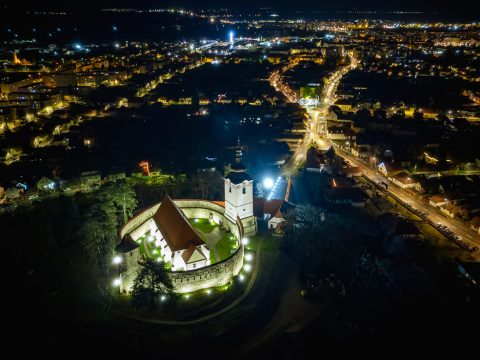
x: 214, y: 275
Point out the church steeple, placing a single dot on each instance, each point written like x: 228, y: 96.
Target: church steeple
x: 238, y: 166
x: 238, y: 152
x: 238, y: 189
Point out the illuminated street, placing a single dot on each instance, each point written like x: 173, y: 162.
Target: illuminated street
x: 252, y: 180
x: 434, y: 217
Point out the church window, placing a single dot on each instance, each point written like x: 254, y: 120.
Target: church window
x: 244, y: 191
x: 230, y: 189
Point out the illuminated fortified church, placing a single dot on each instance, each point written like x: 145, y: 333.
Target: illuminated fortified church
x: 166, y: 231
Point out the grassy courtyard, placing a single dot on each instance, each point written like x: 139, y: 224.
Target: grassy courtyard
x: 203, y: 225
x: 220, y: 242
x: 226, y: 245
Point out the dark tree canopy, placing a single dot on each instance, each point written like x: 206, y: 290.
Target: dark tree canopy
x: 151, y: 282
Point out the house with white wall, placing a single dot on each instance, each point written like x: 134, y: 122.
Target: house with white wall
x: 180, y: 244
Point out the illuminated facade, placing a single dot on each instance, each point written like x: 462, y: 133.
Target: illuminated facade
x: 239, y: 195
x: 180, y: 246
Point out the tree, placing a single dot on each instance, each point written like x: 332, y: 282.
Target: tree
x: 151, y: 282
x: 207, y: 185
x: 101, y: 213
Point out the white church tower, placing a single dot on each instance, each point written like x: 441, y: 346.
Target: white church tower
x: 239, y: 195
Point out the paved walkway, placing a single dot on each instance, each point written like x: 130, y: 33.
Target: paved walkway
x: 212, y: 238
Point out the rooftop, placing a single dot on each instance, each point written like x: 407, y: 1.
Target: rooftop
x: 238, y: 177
x: 174, y: 226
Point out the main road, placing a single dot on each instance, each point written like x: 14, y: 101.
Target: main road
x: 315, y: 132
x: 415, y: 202
x: 315, y: 115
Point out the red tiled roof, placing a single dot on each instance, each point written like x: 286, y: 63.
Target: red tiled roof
x: 276, y: 208
x: 273, y: 207
x: 174, y: 226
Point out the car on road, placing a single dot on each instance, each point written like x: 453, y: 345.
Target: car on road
x: 441, y: 226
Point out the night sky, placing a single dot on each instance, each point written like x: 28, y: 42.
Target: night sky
x: 458, y: 6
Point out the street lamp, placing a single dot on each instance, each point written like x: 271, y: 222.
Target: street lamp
x: 268, y: 183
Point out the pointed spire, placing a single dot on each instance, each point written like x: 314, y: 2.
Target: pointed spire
x: 238, y: 152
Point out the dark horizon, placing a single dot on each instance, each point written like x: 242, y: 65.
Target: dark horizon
x: 423, y: 11
x: 461, y: 6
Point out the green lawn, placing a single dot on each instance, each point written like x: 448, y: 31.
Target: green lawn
x: 203, y: 225
x: 148, y: 248
x: 254, y: 242
x: 144, y: 248
x: 225, y: 245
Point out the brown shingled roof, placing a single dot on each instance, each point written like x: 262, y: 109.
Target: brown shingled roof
x: 174, y: 226
x: 126, y: 245
x: 187, y: 254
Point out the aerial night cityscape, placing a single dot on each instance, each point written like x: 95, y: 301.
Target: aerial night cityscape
x: 240, y: 180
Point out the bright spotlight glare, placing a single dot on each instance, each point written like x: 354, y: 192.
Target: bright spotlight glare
x: 244, y: 241
x: 268, y: 183
x: 117, y: 260
x: 117, y: 282
x: 248, y: 257
x: 247, y: 267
